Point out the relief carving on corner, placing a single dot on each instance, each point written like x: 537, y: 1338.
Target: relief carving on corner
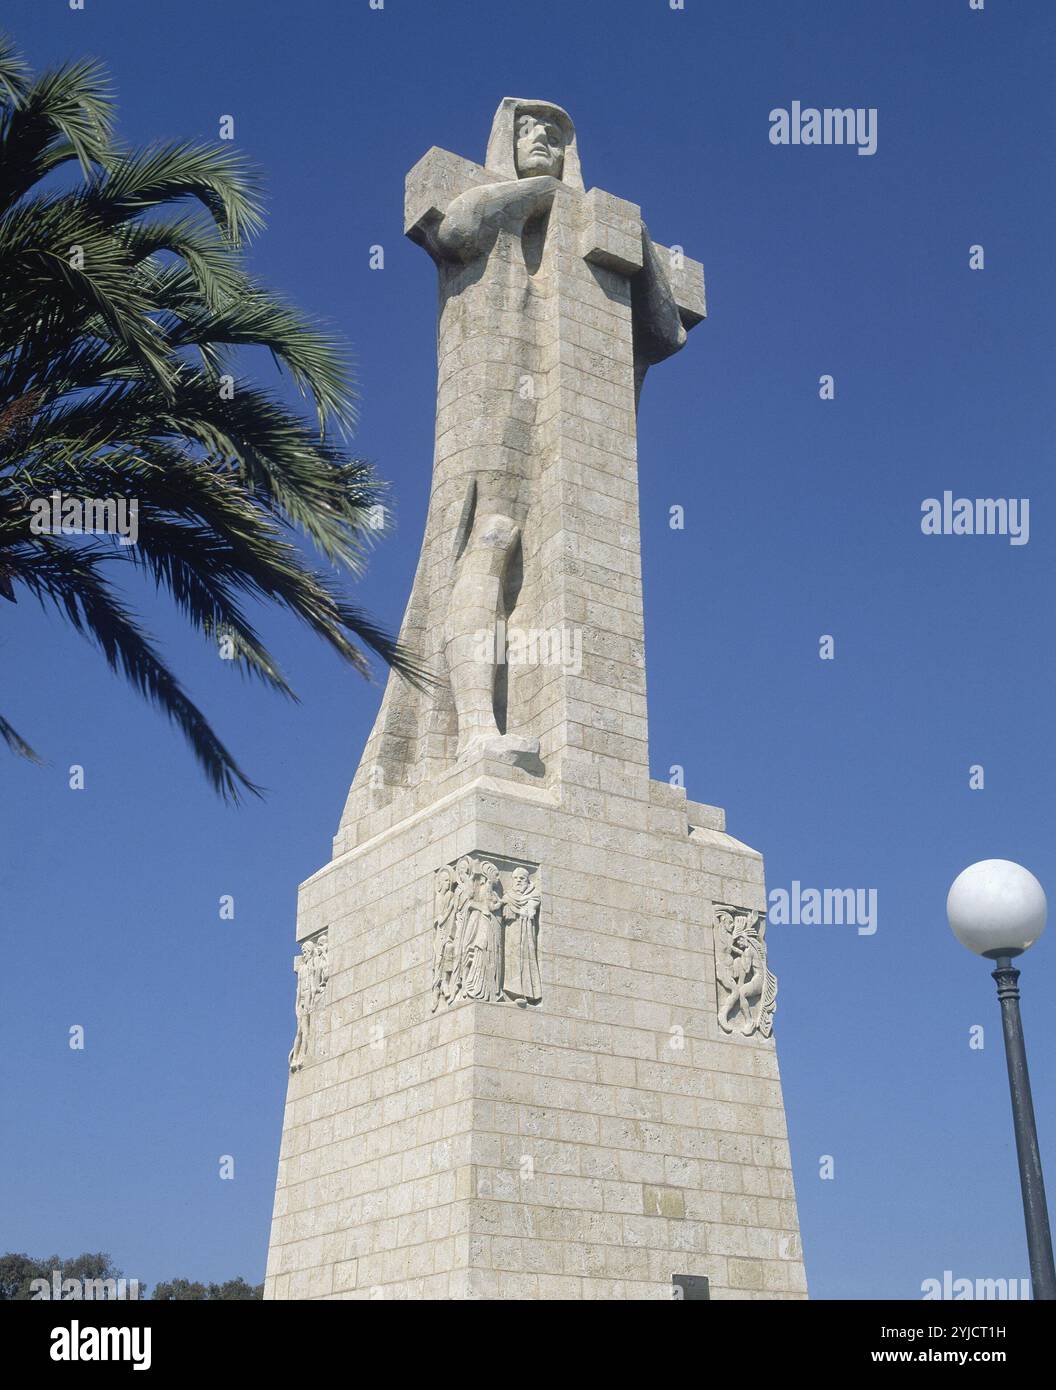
x: 313, y: 972
x: 747, y: 988
x: 486, y: 933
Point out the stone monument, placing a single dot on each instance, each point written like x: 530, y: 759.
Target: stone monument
x: 533, y: 1053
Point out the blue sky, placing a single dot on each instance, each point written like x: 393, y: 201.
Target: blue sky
x: 802, y: 518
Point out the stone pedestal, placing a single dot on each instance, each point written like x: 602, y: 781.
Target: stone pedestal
x: 596, y: 1146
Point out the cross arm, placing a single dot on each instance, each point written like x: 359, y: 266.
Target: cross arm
x: 430, y: 188
x: 611, y: 236
x: 686, y: 278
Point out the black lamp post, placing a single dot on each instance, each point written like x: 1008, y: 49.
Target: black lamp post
x: 997, y: 909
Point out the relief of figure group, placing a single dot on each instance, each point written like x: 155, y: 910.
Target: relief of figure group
x: 486, y: 935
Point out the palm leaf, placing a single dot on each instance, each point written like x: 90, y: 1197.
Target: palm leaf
x: 111, y: 362
x: 70, y: 579
x: 220, y: 180
x: 17, y: 743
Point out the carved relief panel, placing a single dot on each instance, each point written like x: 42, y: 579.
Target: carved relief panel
x: 747, y: 988
x: 313, y: 972
x: 486, y: 932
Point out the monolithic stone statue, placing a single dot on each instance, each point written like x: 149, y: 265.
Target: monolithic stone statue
x: 312, y: 967
x: 747, y: 988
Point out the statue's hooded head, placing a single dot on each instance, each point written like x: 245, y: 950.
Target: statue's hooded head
x: 533, y: 137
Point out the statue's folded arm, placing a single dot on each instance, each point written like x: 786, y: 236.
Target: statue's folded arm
x: 473, y: 220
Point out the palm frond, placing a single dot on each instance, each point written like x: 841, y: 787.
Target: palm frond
x: 221, y: 180
x: 69, y: 106
x: 122, y: 315
x: 17, y: 743
x: 70, y: 579
x: 215, y: 278
x: 14, y: 73
x: 316, y: 360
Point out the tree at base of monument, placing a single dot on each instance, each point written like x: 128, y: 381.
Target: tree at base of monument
x: 125, y: 433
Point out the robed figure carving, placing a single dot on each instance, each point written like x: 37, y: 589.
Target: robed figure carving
x: 521, y: 980
x: 313, y: 972
x: 553, y: 303
x: 486, y: 934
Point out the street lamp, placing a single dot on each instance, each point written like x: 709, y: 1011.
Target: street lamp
x: 997, y: 909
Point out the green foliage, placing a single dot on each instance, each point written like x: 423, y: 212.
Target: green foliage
x: 181, y: 1290
x: 16, y: 1274
x: 18, y: 1271
x: 124, y: 303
